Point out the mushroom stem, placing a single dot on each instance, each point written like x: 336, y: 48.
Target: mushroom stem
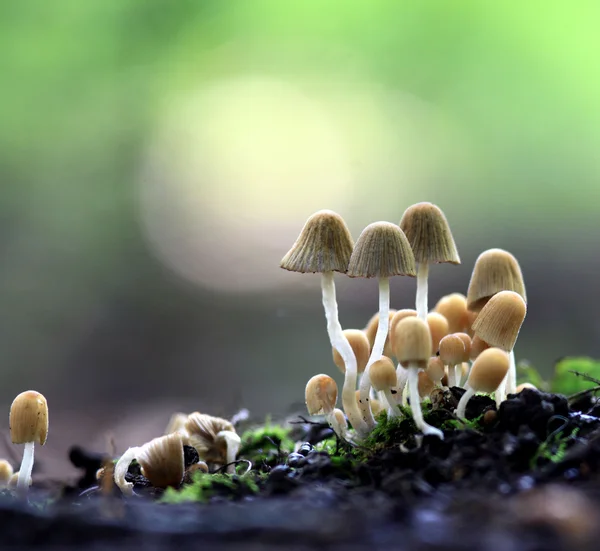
x: 340, y: 343
x: 511, y: 381
x: 462, y: 404
x: 422, y: 275
x: 500, y: 393
x: 26, y: 468
x: 393, y: 409
x: 415, y: 404
x: 451, y: 376
x: 457, y: 374
x: 377, y: 351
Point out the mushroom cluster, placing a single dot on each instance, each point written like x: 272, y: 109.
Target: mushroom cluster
x: 403, y: 355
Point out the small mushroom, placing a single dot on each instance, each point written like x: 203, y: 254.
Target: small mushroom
x: 452, y: 352
x: 6, y: 472
x: 383, y: 379
x: 321, y: 396
x: 454, y: 308
x: 438, y: 327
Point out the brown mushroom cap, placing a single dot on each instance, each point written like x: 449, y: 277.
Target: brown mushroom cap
x: 429, y: 235
x: 488, y: 370
x: 438, y: 326
x: 452, y: 350
x: 162, y: 460
x: 382, y: 374
x: 321, y: 394
x: 467, y: 342
x: 500, y: 320
x: 436, y: 369
x: 425, y: 385
x: 371, y: 332
x: 382, y: 250
x: 477, y: 347
x: 28, y: 418
x: 411, y: 341
x: 495, y: 270
x: 360, y: 346
x: 6, y: 472
x: 398, y: 317
x: 324, y: 245
x: 454, y: 308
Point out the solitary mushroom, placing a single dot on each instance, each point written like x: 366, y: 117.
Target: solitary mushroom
x: 324, y: 246
x: 487, y: 373
x: 431, y: 240
x: 28, y: 424
x: 381, y: 251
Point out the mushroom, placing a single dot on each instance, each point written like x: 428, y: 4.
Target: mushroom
x: 411, y: 342
x: 486, y: 375
x: 324, y: 246
x: 370, y: 331
x: 360, y: 346
x: 383, y: 379
x: 436, y: 370
x: 28, y: 424
x: 464, y: 368
x: 524, y: 386
x: 452, y: 352
x: 401, y: 373
x: 381, y: 251
x: 454, y: 308
x: 6, y: 472
x: 176, y: 422
x: 431, y: 240
x: 321, y: 396
x: 438, y: 327
x: 498, y: 324
x: 426, y: 385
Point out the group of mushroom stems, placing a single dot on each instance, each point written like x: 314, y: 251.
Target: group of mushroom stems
x: 402, y: 356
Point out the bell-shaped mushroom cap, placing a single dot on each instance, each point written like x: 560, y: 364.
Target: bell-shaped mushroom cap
x: 382, y: 374
x: 162, y: 460
x: 488, y: 370
x: 28, y: 418
x: 397, y: 318
x: 500, y: 320
x: 371, y: 332
x: 6, y: 471
x: 360, y: 346
x: 321, y: 394
x: 438, y: 327
x: 382, y: 250
x: 454, y: 308
x: 425, y: 385
x: 467, y: 342
x: 436, y: 369
x: 477, y: 347
x: 452, y: 350
x: 324, y: 245
x: 495, y: 270
x: 202, y: 430
x: 429, y: 235
x: 411, y: 341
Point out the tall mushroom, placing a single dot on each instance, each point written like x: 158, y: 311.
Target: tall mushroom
x: 381, y: 251
x: 28, y: 423
x: 324, y: 246
x: 431, y: 240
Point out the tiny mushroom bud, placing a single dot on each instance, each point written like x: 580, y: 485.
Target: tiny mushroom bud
x: 6, y: 472
x: 452, y: 351
x: 454, y: 308
x: 438, y: 327
x: 431, y: 240
x: 360, y: 346
x: 28, y: 424
x: 487, y: 373
x: 383, y: 379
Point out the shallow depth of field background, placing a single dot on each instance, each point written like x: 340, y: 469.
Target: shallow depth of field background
x: 158, y: 158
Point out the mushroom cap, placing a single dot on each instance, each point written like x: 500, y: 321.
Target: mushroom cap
x: 360, y: 346
x: 425, y: 385
x: 477, y: 347
x: 429, y: 235
x: 382, y: 374
x: 28, y: 418
x: 495, y: 270
x: 467, y: 342
x: 162, y: 460
x: 438, y: 327
x: 411, y: 341
x: 201, y: 431
x: 324, y: 245
x: 397, y: 318
x: 452, y: 350
x: 488, y: 370
x: 6, y: 471
x: 454, y: 308
x: 382, y: 250
x: 321, y: 394
x: 176, y: 422
x: 524, y: 386
x: 436, y: 369
x: 500, y: 320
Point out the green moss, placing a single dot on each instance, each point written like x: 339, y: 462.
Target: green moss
x: 266, y: 446
x: 554, y: 448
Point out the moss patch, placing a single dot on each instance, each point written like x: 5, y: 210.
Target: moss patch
x: 266, y: 446
x: 205, y: 486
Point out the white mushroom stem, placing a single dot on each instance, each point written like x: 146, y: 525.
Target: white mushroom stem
x: 400, y: 397
x: 462, y: 404
x: 511, y: 381
x: 393, y: 409
x: 451, y: 376
x: 340, y: 343
x: 415, y: 404
x: 457, y: 374
x: 232, y: 443
x: 422, y: 275
x: 26, y: 468
x: 121, y: 469
x: 500, y: 393
x: 377, y: 351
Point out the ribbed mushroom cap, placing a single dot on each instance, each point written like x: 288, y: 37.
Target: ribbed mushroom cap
x: 488, y: 370
x: 429, y: 235
x: 382, y: 374
x: 360, y: 346
x: 500, y: 320
x: 321, y: 394
x: 202, y: 431
x: 162, y: 460
x: 471, y: 317
x: 425, y: 385
x: 452, y: 350
x: 477, y: 347
x: 454, y: 308
x: 495, y: 270
x: 324, y: 245
x: 382, y: 250
x: 398, y: 317
x: 6, y: 471
x: 467, y: 342
x: 438, y: 327
x: 411, y: 341
x: 28, y: 418
x: 371, y: 332
x: 436, y: 369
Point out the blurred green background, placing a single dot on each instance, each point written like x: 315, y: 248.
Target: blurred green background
x: 157, y: 159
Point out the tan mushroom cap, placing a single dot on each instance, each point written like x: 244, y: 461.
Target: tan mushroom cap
x: 438, y: 326
x: 202, y: 433
x: 467, y: 341
x: 6, y: 471
x: 398, y: 317
x: 524, y: 386
x: 429, y: 235
x: 411, y: 342
x: 452, y: 350
x: 500, y: 320
x: 321, y: 394
x: 471, y: 317
x: 28, y: 418
x: 477, y: 347
x: 495, y: 270
x: 162, y: 460
x: 454, y: 308
x: 436, y: 369
x: 371, y: 332
x: 324, y: 245
x: 360, y: 346
x: 488, y: 370
x: 382, y: 374
x: 426, y: 385
x: 382, y: 250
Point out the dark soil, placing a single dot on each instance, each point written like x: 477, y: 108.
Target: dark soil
x: 524, y: 478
